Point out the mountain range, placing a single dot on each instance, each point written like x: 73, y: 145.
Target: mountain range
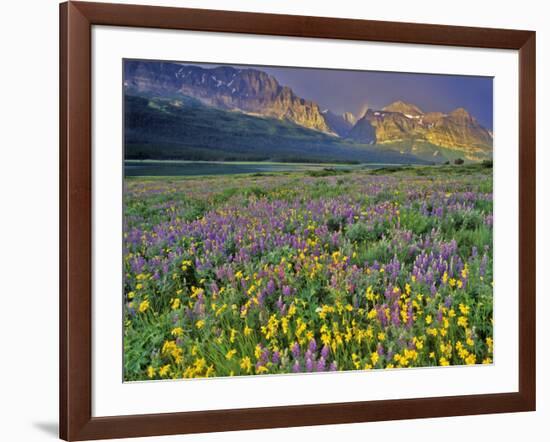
x: 194, y: 105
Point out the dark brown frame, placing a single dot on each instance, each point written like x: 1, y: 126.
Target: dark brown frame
x: 76, y: 421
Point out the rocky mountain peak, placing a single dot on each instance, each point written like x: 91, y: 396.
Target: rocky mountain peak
x: 247, y: 90
x: 403, y: 108
x: 461, y: 114
x: 255, y: 92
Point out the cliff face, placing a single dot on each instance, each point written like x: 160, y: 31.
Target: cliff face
x: 460, y: 129
x: 247, y: 90
x: 403, y: 122
x: 257, y: 93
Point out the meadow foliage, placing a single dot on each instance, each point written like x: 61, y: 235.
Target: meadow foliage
x: 298, y: 272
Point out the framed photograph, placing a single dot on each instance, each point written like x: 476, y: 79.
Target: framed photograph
x: 272, y: 221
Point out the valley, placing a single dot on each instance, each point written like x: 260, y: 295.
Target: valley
x: 187, y: 112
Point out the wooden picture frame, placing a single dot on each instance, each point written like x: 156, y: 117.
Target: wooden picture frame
x: 76, y: 21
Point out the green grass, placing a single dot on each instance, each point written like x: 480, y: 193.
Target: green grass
x: 212, y: 244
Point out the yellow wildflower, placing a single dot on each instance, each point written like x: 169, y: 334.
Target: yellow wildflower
x: 463, y: 321
x: 176, y: 304
x: 246, y: 364
x: 164, y: 370
x: 464, y: 309
x: 291, y: 310
x: 229, y: 355
x: 143, y: 306
x: 284, y: 325
x: 178, y: 331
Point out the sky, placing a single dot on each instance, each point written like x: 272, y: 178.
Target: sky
x: 354, y: 91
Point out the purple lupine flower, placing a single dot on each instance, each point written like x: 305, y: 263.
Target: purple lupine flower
x: 409, y: 315
x: 395, y: 314
x: 286, y: 290
x: 261, y: 297
x: 483, y: 265
x: 214, y: 287
x: 276, y: 357
x: 325, y: 351
x: 429, y: 278
x: 259, y: 364
x: 270, y: 287
x: 333, y: 366
x: 312, y: 346
x: 280, y: 305
x: 296, y: 367
x: 381, y: 313
x: 309, y: 365
x: 295, y: 350
x: 321, y: 364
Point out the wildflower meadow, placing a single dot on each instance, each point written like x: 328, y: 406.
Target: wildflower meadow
x: 308, y: 271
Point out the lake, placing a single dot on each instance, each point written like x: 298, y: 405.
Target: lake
x: 198, y: 168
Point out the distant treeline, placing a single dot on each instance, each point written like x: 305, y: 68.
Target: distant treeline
x: 185, y: 153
